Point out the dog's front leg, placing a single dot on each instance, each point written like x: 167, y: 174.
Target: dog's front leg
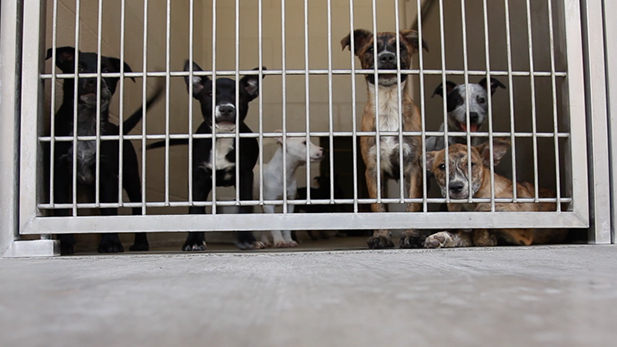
x: 413, y: 238
x: 381, y: 237
x: 246, y: 239
x: 483, y: 238
x: 62, y: 194
x: 108, y: 191
x: 202, y: 185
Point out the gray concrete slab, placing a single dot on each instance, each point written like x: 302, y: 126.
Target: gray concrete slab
x: 554, y: 296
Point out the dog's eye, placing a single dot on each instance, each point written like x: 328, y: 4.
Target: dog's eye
x: 80, y: 68
x: 481, y: 100
x: 105, y: 70
x: 370, y: 49
x: 210, y: 94
x: 442, y: 167
x: 304, y: 143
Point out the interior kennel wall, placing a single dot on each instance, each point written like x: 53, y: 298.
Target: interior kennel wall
x: 29, y: 58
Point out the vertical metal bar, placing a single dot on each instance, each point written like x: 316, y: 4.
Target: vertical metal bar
x: 190, y: 98
x: 307, y: 101
x: 532, y: 84
x: 167, y: 81
x: 610, y: 30
x: 444, y: 99
x: 213, y: 115
x: 330, y: 125
x: 377, y: 110
x: 551, y: 36
x: 489, y: 98
x: 99, y: 38
x: 11, y: 206
x: 511, y: 98
x: 594, y: 81
x: 75, y: 106
x: 422, y: 107
x: 284, y: 101
x: 466, y: 74
x: 354, y: 136
x: 261, y: 104
x: 143, y: 105
x: 401, y: 147
x: 121, y: 104
x: 52, y: 123
x: 237, y: 101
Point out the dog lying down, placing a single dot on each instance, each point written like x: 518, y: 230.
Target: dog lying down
x: 297, y: 148
x: 458, y: 187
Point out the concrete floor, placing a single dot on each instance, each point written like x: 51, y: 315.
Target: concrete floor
x: 554, y: 296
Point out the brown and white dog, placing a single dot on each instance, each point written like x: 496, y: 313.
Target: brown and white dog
x: 480, y: 182
x: 388, y: 108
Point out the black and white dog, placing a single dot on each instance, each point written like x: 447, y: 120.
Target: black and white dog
x: 226, y: 110
x: 457, y: 110
x: 87, y: 94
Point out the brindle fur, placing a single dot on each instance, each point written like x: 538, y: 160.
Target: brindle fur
x: 411, y: 121
x: 481, y: 186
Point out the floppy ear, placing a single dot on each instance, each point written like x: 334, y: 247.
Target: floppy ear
x: 500, y: 148
x: 360, y: 38
x: 494, y: 84
x: 411, y: 36
x: 250, y: 84
x: 65, y: 58
x: 430, y: 160
x: 198, y: 81
x: 439, y: 90
x: 279, y: 140
x: 115, y: 62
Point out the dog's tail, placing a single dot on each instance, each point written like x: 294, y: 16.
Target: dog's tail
x: 172, y: 142
x: 132, y: 121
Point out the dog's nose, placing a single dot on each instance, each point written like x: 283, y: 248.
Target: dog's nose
x: 227, y: 110
x: 320, y: 153
x: 456, y: 187
x: 473, y: 117
x: 387, y: 58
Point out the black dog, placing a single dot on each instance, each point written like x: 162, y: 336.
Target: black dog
x: 225, y: 113
x: 87, y: 94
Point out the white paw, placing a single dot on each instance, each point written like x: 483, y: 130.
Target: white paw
x: 259, y: 245
x: 441, y: 239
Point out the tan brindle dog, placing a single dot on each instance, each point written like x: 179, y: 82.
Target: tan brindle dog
x: 481, y: 188
x: 389, y: 121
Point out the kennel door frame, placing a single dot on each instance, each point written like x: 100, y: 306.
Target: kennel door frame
x: 33, y: 222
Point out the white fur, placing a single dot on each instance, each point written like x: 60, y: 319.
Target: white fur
x: 217, y: 109
x: 223, y: 146
x: 388, y: 121
x: 273, y: 181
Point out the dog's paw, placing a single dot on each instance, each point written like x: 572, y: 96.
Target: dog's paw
x: 259, y: 245
x: 110, y: 244
x: 379, y: 242
x: 441, y: 239
x: 412, y: 239
x: 194, y: 247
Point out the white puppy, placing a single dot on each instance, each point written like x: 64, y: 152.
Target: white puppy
x: 273, y: 181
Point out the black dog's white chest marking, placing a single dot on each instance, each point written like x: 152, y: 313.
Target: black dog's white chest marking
x: 223, y: 147
x: 86, y: 150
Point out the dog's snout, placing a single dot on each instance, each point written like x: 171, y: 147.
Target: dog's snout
x: 227, y: 111
x: 456, y: 187
x: 473, y: 117
x: 320, y: 152
x: 387, y: 58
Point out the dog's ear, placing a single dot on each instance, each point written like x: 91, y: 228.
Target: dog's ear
x: 411, y: 36
x: 198, y: 81
x: 360, y: 38
x: 65, y: 58
x: 494, y: 84
x: 439, y: 90
x: 115, y: 63
x: 430, y: 160
x: 279, y: 139
x: 500, y: 148
x: 250, y: 84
